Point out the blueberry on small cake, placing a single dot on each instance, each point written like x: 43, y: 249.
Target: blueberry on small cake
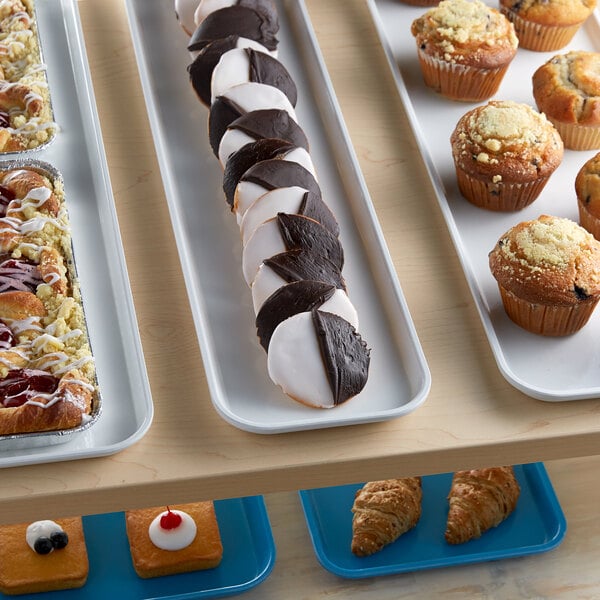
x: 42, y: 556
x: 177, y: 539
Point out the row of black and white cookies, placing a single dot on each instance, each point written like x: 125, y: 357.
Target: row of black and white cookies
x: 292, y: 257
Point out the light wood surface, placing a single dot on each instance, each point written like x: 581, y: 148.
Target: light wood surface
x: 472, y: 416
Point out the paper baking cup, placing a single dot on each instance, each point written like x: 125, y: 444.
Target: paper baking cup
x: 500, y: 196
x: 587, y: 220
x: 547, y: 320
x: 576, y: 136
x: 541, y: 38
x: 460, y: 82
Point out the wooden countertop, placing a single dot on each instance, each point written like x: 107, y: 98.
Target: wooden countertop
x: 472, y: 416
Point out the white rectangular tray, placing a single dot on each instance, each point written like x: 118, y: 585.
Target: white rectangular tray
x: 78, y: 154
x: 209, y: 242
x: 552, y: 369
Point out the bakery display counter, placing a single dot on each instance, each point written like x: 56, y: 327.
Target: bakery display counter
x: 472, y: 415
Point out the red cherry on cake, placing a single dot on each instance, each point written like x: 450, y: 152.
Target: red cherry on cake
x: 7, y: 338
x: 21, y: 384
x: 170, y: 520
x: 6, y: 195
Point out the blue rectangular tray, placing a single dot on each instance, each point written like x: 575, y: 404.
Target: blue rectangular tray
x: 537, y: 525
x: 248, y: 558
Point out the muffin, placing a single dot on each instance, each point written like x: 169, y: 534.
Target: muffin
x: 421, y: 2
x: 464, y: 49
x: 504, y: 153
x: 548, y: 274
x: 546, y: 25
x: 587, y: 188
x: 567, y: 89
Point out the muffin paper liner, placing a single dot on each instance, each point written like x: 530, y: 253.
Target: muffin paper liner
x: 460, y: 82
x: 541, y: 38
x: 576, y: 136
x: 588, y: 221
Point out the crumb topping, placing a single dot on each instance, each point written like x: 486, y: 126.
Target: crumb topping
x: 455, y: 26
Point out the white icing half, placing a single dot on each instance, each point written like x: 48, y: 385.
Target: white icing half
x: 209, y: 6
x: 232, y: 69
x: 38, y: 529
x: 339, y: 304
x: 287, y: 200
x: 232, y: 141
x: 251, y: 96
x: 295, y: 364
x: 185, y: 10
x: 302, y: 157
x: 265, y: 242
x: 173, y: 539
x: 243, y: 42
x: 265, y: 283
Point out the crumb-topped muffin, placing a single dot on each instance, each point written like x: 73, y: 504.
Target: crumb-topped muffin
x: 546, y: 25
x: 567, y: 89
x: 548, y: 274
x: 587, y: 188
x: 504, y: 153
x: 464, y: 48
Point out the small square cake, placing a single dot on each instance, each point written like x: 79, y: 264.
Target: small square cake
x: 178, y: 539
x: 42, y: 556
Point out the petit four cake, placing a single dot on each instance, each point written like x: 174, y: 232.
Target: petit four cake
x: 504, y: 153
x: 464, y: 48
x: 178, y: 539
x: 567, y: 89
x: 548, y: 275
x: 42, y: 556
x: 47, y: 372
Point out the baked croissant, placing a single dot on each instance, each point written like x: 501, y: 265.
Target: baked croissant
x: 479, y: 500
x: 383, y: 511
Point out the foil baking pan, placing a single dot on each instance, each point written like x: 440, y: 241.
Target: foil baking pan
x: 48, y: 438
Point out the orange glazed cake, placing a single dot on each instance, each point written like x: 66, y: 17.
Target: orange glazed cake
x: 464, y: 48
x: 504, y: 153
x: 587, y: 188
x: 567, y: 89
x: 546, y: 25
x: 42, y: 556
x: 548, y: 274
x: 180, y: 539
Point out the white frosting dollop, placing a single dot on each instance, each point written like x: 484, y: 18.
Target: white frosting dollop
x: 173, y: 539
x: 38, y: 529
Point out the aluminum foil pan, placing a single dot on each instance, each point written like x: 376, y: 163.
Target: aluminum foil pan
x: 48, y: 438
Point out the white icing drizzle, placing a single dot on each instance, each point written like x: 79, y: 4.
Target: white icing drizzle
x: 173, y: 539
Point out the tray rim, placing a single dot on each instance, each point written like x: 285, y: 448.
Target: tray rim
x: 195, y: 296
x: 536, y: 470
x: 91, y: 119
x: 538, y: 392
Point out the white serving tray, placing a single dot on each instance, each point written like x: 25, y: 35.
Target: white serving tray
x: 552, y: 369
x: 78, y: 154
x: 209, y: 242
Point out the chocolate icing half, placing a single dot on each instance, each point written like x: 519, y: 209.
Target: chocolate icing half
x: 302, y: 233
x: 271, y: 123
x: 201, y: 69
x: 313, y: 206
x: 287, y: 301
x: 274, y: 174
x: 268, y: 70
x: 241, y: 160
x: 296, y: 265
x: 345, y: 355
x: 236, y: 20
x: 222, y: 112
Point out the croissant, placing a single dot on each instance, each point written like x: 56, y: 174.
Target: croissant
x: 479, y: 500
x: 383, y: 511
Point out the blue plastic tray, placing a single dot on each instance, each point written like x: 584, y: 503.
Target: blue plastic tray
x: 248, y: 557
x: 537, y: 525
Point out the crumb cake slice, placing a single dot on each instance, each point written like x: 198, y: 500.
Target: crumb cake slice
x: 47, y: 372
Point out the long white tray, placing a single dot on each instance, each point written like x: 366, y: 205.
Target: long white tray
x: 544, y: 368
x: 78, y: 154
x: 209, y: 242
